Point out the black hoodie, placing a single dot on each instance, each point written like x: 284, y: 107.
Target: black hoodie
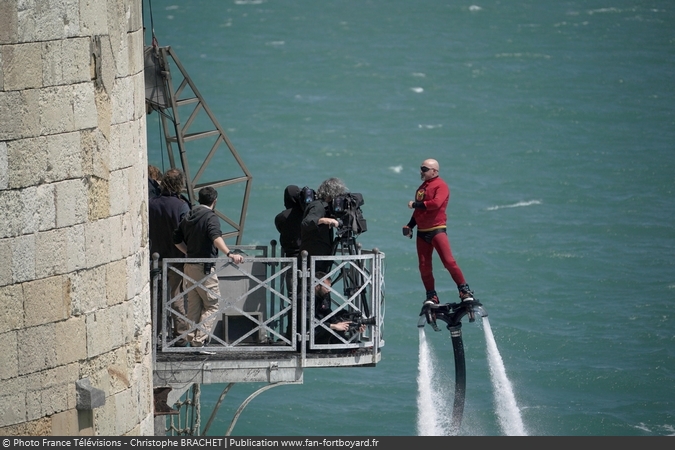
x: 288, y: 221
x: 198, y: 229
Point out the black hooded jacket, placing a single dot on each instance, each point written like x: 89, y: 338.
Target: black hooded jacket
x: 288, y: 221
x: 198, y: 229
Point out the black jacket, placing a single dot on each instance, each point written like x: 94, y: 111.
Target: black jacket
x: 164, y: 214
x: 316, y: 239
x: 289, y: 221
x: 198, y: 230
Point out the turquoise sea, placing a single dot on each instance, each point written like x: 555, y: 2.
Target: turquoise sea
x: 554, y: 125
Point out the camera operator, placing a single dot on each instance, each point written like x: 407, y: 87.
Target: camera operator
x: 322, y: 308
x: 317, y: 226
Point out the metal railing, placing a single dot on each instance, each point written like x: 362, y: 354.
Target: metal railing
x: 266, y: 303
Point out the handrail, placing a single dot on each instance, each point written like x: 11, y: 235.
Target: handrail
x: 268, y: 317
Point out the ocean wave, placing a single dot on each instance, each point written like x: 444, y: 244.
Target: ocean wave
x: 515, y: 205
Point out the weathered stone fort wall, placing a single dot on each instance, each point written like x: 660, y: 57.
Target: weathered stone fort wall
x: 74, y: 284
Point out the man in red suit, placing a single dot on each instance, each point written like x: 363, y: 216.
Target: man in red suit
x: 431, y: 200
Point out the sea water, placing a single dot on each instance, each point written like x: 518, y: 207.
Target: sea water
x: 554, y: 126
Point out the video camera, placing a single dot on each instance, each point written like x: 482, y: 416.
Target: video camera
x: 307, y: 195
x: 347, y: 210
x: 356, y: 320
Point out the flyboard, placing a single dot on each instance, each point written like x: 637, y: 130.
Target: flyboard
x: 452, y: 314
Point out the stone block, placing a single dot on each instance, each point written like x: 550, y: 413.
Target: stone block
x: 116, y: 282
x: 77, y: 61
x: 5, y: 269
x: 97, y: 242
x: 126, y: 418
x: 141, y: 311
x: 121, y: 146
x: 22, y: 66
x: 87, y: 290
x: 93, y: 17
x: 117, y: 238
x: 84, y: 106
x: 121, y: 324
x: 119, y: 186
x: 122, y: 100
x: 71, y: 207
x: 29, y: 213
x: 10, y: 367
x: 136, y: 59
x: 51, y: 253
x: 44, y: 21
x: 38, y: 351
x: 66, y: 423
x: 64, y: 153
x: 23, y: 258
x: 105, y: 418
x: 45, y: 201
x: 71, y: 340
x: 27, y: 162
x: 10, y: 224
x: 75, y: 242
x: 20, y: 114
x: 8, y: 23
x: 98, y: 198
x: 139, y: 97
x: 45, y: 301
x: 103, y: 112
x: 50, y: 390
x: 3, y: 158
x: 56, y: 110
x: 12, y: 311
x: 14, y: 408
x: 95, y: 154
x: 100, y: 326
x: 88, y: 397
x: 54, y: 398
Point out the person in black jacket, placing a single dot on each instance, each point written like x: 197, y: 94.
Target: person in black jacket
x: 199, y: 236
x: 165, y: 212
x: 289, y: 221
x: 317, y: 236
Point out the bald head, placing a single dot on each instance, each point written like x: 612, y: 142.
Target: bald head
x: 431, y: 163
x: 429, y: 169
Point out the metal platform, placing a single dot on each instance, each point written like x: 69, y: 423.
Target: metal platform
x: 265, y: 330
x: 173, y: 369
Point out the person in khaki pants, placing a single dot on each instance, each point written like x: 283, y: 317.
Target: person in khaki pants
x: 199, y: 236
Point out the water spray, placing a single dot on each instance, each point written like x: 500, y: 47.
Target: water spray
x: 452, y: 314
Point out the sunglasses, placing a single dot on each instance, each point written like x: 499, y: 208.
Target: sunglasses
x: 425, y: 169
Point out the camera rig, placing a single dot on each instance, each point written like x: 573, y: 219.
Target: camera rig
x: 346, y: 209
x: 355, y: 320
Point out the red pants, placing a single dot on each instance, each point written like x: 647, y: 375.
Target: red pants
x: 441, y: 244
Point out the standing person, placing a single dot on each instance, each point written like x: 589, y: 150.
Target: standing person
x: 431, y: 201
x: 165, y: 212
x: 316, y: 235
x: 154, y: 181
x: 199, y: 236
x: 289, y: 221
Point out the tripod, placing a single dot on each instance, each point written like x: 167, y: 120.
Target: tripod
x: 352, y: 273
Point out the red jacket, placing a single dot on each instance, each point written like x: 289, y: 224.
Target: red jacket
x: 435, y: 194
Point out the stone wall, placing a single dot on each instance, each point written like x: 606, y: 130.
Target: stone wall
x: 74, y: 262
